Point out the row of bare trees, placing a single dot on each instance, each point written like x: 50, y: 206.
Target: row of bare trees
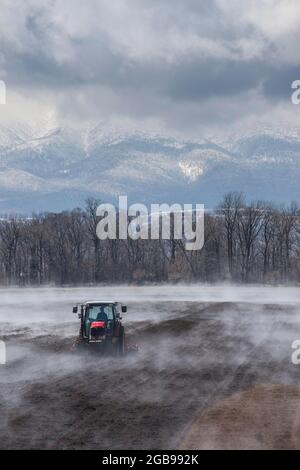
x: 262, y: 241
x: 244, y: 242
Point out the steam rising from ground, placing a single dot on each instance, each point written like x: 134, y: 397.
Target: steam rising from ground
x: 198, y: 344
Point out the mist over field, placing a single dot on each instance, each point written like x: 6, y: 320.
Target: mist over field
x: 199, y: 345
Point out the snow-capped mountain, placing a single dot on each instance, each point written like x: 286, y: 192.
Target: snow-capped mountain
x: 54, y: 168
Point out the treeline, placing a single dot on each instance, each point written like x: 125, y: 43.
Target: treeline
x: 244, y: 242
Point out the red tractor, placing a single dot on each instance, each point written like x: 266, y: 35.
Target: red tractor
x: 101, y: 327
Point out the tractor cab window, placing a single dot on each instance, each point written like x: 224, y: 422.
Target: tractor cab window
x: 101, y: 312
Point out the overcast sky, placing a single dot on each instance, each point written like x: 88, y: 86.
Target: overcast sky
x: 187, y: 66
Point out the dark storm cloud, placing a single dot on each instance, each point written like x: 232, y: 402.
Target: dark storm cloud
x: 277, y: 85
x: 187, y: 79
x: 214, y: 78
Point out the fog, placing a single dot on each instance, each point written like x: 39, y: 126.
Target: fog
x: 197, y: 344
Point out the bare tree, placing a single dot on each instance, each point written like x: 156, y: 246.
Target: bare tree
x: 10, y: 236
x: 229, y: 208
x: 91, y: 223
x: 248, y: 227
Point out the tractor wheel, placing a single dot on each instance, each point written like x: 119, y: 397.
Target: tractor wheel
x: 121, y: 343
x: 78, y: 345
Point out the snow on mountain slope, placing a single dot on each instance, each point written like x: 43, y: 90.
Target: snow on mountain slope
x: 20, y: 180
x: 47, y: 167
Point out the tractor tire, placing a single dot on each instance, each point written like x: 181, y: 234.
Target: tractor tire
x: 78, y: 345
x: 121, y: 343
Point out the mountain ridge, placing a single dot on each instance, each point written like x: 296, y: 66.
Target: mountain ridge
x: 52, y: 169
